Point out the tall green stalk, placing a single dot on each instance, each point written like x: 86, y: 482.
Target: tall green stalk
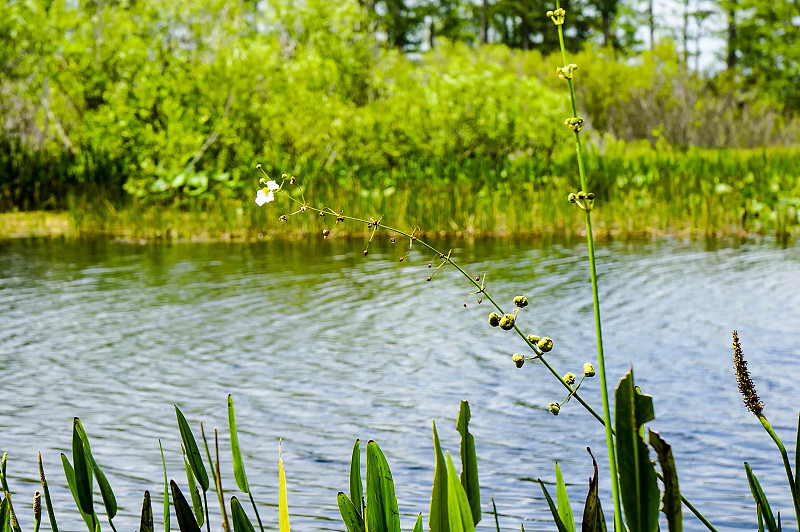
x: 585, y: 200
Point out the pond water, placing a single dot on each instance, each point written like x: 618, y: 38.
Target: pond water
x: 320, y: 345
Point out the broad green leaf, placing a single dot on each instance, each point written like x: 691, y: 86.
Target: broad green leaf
x: 760, y: 499
x: 418, y: 523
x: 593, y: 519
x: 553, y: 509
x: 356, y: 487
x: 564, y: 509
x: 241, y: 523
x: 146, y: 521
x: 437, y: 517
x: 166, y: 489
x: 672, y: 494
x: 459, y: 514
x: 637, y: 477
x: 197, y: 503
x: 51, y: 515
x: 109, y: 501
x: 183, y: 512
x: 83, y: 486
x: 238, y: 463
x: 382, y: 512
x: 283, y: 506
x: 469, y: 463
x: 352, y: 519
x: 193, y: 454
x: 70, y: 474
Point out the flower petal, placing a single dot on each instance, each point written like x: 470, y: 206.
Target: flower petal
x: 262, y: 197
x: 272, y: 185
x: 270, y: 197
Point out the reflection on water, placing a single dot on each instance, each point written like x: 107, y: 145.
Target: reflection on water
x: 320, y: 345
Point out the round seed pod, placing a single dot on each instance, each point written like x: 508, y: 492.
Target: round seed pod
x: 521, y: 301
x: 532, y: 338
x: 494, y: 319
x: 545, y: 344
x: 588, y: 370
x: 554, y: 408
x: 518, y: 359
x: 507, y: 322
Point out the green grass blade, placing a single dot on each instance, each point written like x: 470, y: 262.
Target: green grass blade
x: 83, y: 486
x: 51, y: 515
x: 797, y: 460
x: 283, y: 505
x: 241, y: 523
x: 564, y: 509
x: 350, y: 515
x: 109, y: 500
x: 459, y: 514
x: 183, y: 512
x: 469, y: 463
x: 637, y: 477
x: 382, y: 512
x: 197, y: 502
x: 593, y: 519
x: 553, y: 509
x: 356, y: 487
x: 166, y: 489
x: 496, y: 518
x: 146, y: 521
x: 437, y: 517
x: 672, y: 494
x: 69, y: 472
x: 238, y: 464
x: 195, y: 460
x: 761, y: 500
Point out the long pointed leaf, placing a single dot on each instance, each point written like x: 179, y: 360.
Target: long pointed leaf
x: 564, y: 509
x: 418, y: 523
x: 637, y: 477
x: 469, y: 463
x: 459, y: 514
x: 69, y: 472
x: 51, y: 515
x: 241, y: 523
x: 593, y: 519
x: 83, y: 488
x: 146, y: 521
x: 797, y: 459
x: 4, y: 515
x: 183, y: 512
x: 672, y: 494
x: 437, y: 516
x: 356, y: 487
x: 553, y: 509
x: 166, y: 489
x: 352, y: 519
x: 193, y: 454
x: 761, y: 500
x: 283, y: 506
x: 109, y: 500
x: 238, y: 464
x: 382, y: 512
x: 197, y: 503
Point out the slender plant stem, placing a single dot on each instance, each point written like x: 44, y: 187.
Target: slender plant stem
x: 612, y: 459
x: 786, y: 465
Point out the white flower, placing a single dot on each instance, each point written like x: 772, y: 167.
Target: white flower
x: 264, y: 197
x: 266, y: 194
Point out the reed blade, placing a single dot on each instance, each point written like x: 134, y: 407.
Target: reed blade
x: 437, y: 517
x: 146, y: 520
x: 469, y: 463
x: 459, y: 514
x: 241, y: 523
x: 183, y: 512
x: 356, y: 487
x: 564, y: 509
x: 109, y: 500
x: 238, y: 464
x: 350, y: 516
x: 193, y: 454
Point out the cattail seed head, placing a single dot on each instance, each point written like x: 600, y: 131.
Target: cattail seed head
x: 746, y: 387
x: 37, y: 505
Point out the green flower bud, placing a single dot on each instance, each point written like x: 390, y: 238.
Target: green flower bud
x: 532, y: 338
x: 518, y: 359
x: 507, y: 322
x: 554, y: 408
x: 521, y: 301
x: 494, y: 319
x: 545, y: 344
x: 588, y: 370
x: 569, y: 378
